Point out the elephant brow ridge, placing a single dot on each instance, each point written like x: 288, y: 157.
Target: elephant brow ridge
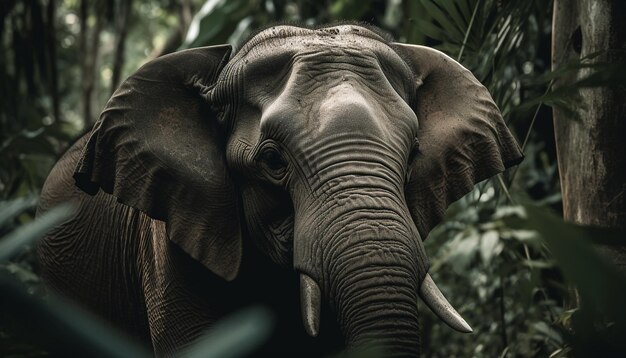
x: 286, y: 31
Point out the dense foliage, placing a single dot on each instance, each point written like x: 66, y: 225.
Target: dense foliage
x: 494, y: 255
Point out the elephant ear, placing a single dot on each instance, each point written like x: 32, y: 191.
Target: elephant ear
x: 157, y: 147
x: 462, y: 136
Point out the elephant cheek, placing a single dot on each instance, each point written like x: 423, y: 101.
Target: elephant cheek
x: 270, y: 225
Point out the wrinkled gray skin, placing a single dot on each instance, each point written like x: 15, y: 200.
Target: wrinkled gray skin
x: 330, y: 167
x: 346, y: 133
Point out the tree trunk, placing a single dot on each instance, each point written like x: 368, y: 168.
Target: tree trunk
x: 52, y: 59
x: 121, y: 28
x: 89, y: 57
x: 591, y: 150
x: 84, y: 61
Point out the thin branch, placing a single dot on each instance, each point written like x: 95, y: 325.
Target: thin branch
x: 469, y: 28
x: 530, y: 128
x: 504, y: 188
x: 84, y: 60
x: 532, y: 122
x: 505, y: 341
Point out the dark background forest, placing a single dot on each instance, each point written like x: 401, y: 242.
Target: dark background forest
x: 530, y: 283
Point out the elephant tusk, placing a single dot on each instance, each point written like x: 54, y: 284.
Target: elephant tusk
x: 434, y: 299
x: 310, y: 302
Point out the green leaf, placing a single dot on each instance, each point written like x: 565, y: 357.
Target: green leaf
x: 11, y: 244
x: 539, y: 264
x: 348, y: 9
x: 601, y: 286
x: 561, y: 353
x: 430, y: 30
x: 453, y: 12
x: 216, y: 21
x: 23, y: 274
x: 463, y: 250
x: 451, y: 30
x: 504, y: 211
x: 465, y: 6
x: 547, y: 331
x: 61, y: 326
x: 10, y: 209
x: 488, y: 244
x: 235, y: 336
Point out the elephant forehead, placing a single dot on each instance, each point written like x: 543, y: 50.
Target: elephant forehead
x: 275, y: 47
x: 267, y: 62
x: 303, y: 37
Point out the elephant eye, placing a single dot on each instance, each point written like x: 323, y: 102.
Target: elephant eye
x: 273, y: 160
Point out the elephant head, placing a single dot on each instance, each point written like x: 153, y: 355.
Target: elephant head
x: 334, y: 149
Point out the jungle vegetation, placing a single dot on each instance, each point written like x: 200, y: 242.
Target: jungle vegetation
x: 530, y: 283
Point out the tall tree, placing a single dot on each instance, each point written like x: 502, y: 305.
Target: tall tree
x: 122, y: 19
x: 89, y: 46
x: 591, y: 147
x: 51, y: 42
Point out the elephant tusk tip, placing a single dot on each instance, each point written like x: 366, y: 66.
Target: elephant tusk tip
x: 435, y: 300
x: 311, y: 330
x: 464, y: 327
x: 310, y: 302
x: 458, y: 323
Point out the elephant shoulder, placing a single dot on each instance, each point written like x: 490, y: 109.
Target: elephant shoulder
x: 102, y: 229
x: 59, y: 186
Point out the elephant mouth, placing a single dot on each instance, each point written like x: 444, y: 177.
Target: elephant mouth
x: 310, y: 303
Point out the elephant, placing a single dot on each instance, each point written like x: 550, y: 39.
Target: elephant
x: 300, y: 171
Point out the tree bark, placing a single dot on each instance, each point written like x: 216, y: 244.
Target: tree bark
x: 89, y: 56
x: 591, y: 148
x: 52, y: 59
x: 122, y: 20
x: 83, y: 14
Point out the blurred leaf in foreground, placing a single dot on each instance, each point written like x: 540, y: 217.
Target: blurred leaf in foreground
x: 12, y: 208
x: 64, y: 328
x: 600, y: 323
x: 235, y: 336
x: 60, y: 326
x: 12, y: 243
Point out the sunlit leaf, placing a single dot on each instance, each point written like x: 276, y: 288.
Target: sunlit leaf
x: 216, y: 21
x: 546, y: 331
x: 538, y: 264
x: 488, y: 243
x: 561, y: 353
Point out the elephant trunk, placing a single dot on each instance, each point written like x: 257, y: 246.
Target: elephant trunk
x: 367, y: 259
x: 359, y: 249
x: 374, y: 291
